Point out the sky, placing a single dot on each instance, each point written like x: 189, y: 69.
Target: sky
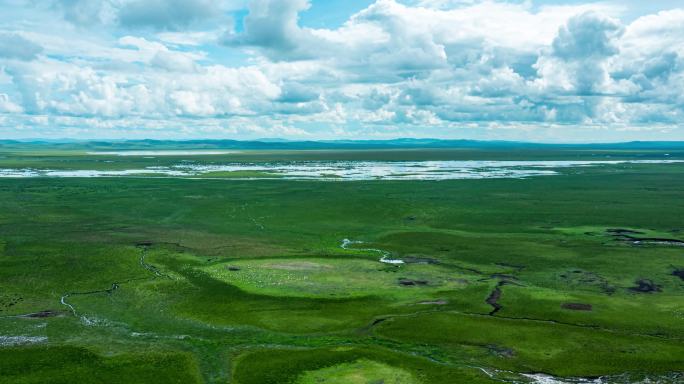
x: 528, y: 70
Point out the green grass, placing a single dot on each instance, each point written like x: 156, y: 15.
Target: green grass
x: 333, y: 278
x: 303, y: 366
x: 301, y: 309
x: 541, y: 346
x: 68, y: 365
x: 359, y: 372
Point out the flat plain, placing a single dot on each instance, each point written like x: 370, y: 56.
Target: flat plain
x: 244, y: 276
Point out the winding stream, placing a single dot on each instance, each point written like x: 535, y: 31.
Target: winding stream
x: 147, y: 266
x: 116, y: 285
x: 385, y: 255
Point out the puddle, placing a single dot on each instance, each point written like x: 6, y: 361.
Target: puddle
x: 12, y: 341
x: 18, y: 173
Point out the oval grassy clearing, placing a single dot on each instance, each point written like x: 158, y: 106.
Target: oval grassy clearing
x: 336, y: 278
x: 367, y: 364
x: 359, y: 372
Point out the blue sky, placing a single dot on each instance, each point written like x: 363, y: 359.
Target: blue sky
x: 550, y: 71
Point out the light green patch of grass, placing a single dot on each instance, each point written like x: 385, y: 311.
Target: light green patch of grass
x: 327, y: 278
x: 347, y: 365
x: 359, y: 372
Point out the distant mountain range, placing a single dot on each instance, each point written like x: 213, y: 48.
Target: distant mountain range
x: 281, y: 144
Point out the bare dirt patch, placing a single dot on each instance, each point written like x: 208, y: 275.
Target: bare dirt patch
x: 645, y: 286
x: 297, y: 266
x: 622, y: 231
x: 503, y: 276
x: 500, y: 351
x: 411, y: 283
x: 419, y: 260
x: 577, y: 306
x: 578, y: 277
x: 10, y: 301
x: 494, y: 296
x: 628, y: 236
x: 43, y: 314
x: 377, y: 321
x: 514, y: 266
x: 435, y: 302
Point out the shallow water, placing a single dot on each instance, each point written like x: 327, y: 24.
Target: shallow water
x: 12, y: 341
x: 346, y: 170
x: 162, y: 153
x: 670, y: 378
x: 151, y: 171
x: 540, y: 378
x: 546, y: 379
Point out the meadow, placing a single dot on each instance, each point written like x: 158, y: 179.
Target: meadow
x: 228, y: 279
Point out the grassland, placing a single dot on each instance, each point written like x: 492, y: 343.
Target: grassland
x: 156, y: 280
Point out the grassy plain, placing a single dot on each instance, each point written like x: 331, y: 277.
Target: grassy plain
x: 124, y: 280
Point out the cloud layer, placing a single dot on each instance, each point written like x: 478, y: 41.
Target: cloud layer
x: 478, y: 69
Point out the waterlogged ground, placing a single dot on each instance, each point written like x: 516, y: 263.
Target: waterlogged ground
x: 161, y: 153
x: 577, y: 278
x: 339, y: 170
